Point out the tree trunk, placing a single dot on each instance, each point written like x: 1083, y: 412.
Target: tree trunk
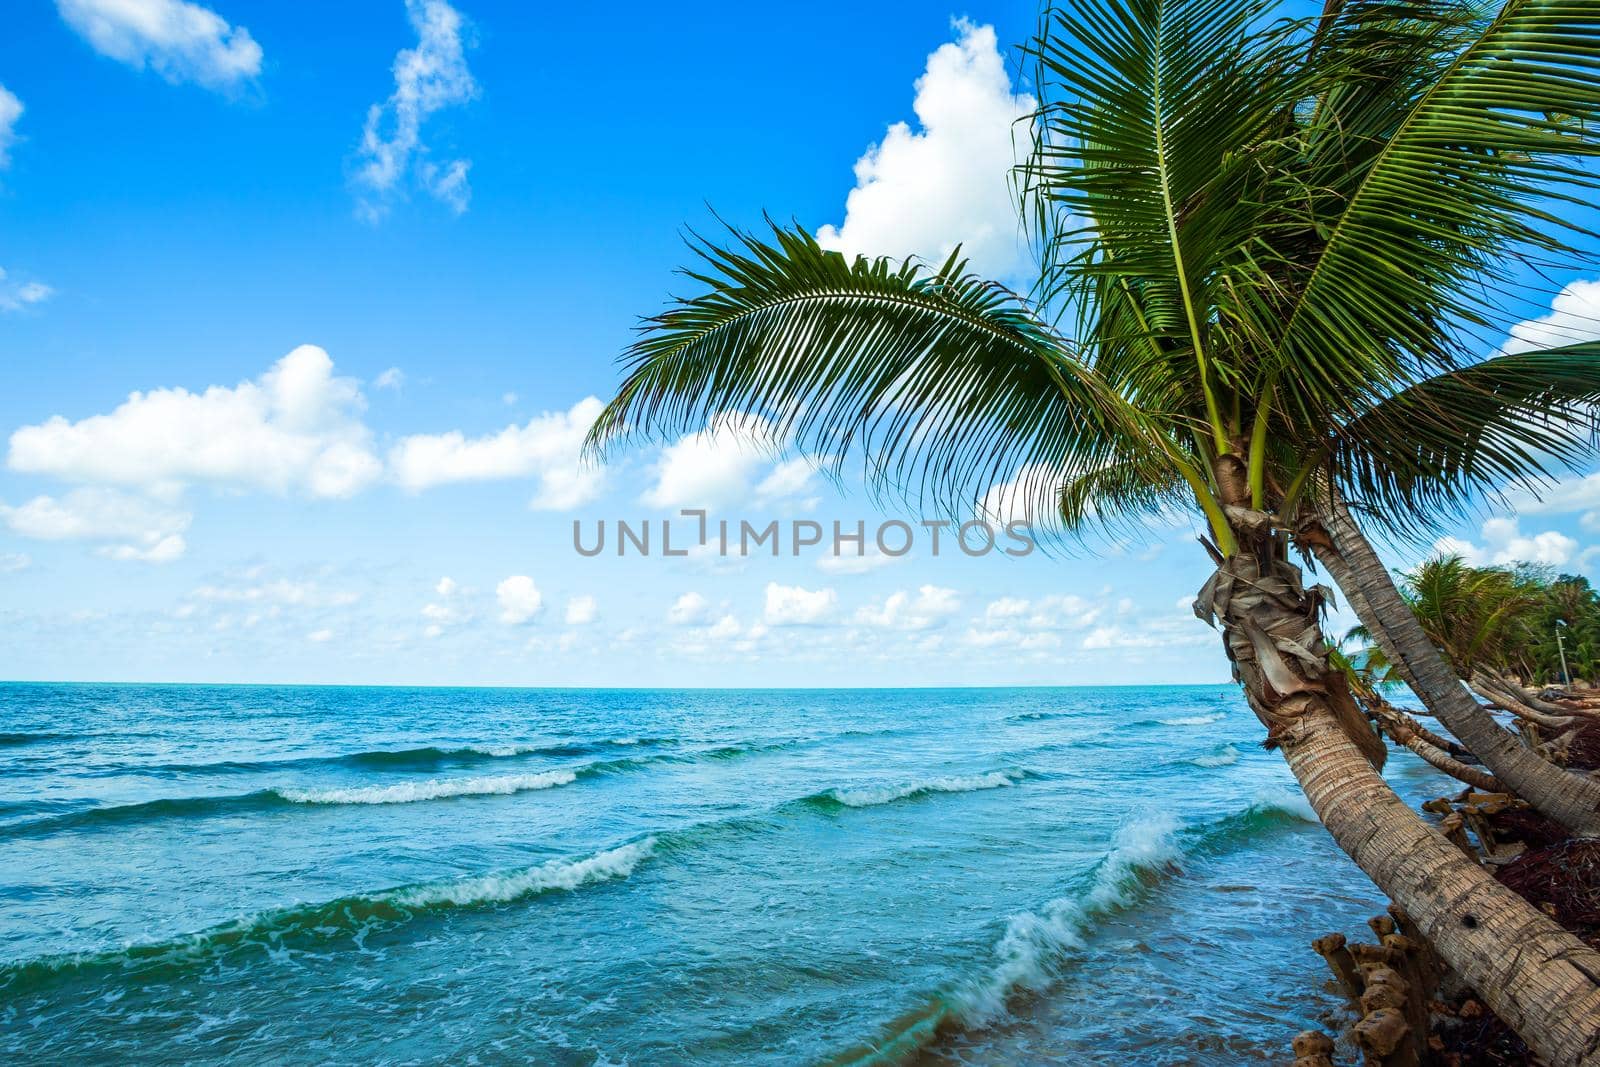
x: 1542, y: 981
x: 1497, y: 690
x: 1404, y: 730
x: 1570, y: 799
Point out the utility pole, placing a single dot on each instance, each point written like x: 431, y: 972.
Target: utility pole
x: 1561, y: 647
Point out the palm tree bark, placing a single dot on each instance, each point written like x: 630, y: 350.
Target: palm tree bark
x: 1540, y: 979
x: 1570, y: 799
x: 1405, y: 730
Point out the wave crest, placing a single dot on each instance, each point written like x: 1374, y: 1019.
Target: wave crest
x: 352, y: 917
x: 1224, y: 756
x: 432, y: 789
x: 868, y: 797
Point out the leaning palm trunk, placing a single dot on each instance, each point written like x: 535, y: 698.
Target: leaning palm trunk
x: 1406, y: 731
x: 1349, y: 557
x: 1540, y: 979
x: 1501, y: 693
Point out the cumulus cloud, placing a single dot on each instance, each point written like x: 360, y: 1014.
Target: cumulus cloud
x: 178, y: 40
x: 1054, y: 612
x: 10, y: 112
x: 581, y: 610
x: 1504, y: 543
x: 713, y: 467
x: 930, y: 606
x: 729, y: 462
x: 922, y: 192
x: 547, y: 448
x: 1574, y: 317
x: 12, y: 562
x: 869, y: 560
x: 447, y: 610
x: 428, y: 78
x: 688, y: 609
x: 14, y: 296
x: 1570, y: 495
x: 393, y: 378
x: 296, y: 428
x: 519, y: 599
x: 128, y: 527
x: 792, y: 605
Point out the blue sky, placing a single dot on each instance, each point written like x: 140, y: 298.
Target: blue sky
x: 364, y: 264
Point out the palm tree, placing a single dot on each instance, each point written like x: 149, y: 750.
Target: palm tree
x: 1480, y: 617
x: 1262, y: 234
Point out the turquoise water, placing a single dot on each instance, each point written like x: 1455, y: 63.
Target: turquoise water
x: 374, y: 875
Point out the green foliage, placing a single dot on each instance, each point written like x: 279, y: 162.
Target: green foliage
x: 1505, y: 619
x: 1279, y: 246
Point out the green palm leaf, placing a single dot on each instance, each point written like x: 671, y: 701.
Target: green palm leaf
x: 1424, y: 454
x: 941, y: 384
x: 1425, y: 198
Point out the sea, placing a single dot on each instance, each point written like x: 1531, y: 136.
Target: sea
x: 287, y: 875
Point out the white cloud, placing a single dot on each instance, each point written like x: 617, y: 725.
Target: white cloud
x: 178, y: 40
x: 294, y: 428
x: 923, y: 192
x: 1117, y: 637
x: 792, y: 605
x: 688, y: 609
x: 14, y: 296
x: 791, y: 478
x: 727, y: 463
x: 279, y: 591
x: 393, y: 378
x: 1573, y: 494
x: 931, y: 606
x: 713, y: 467
x: 581, y: 610
x: 129, y: 527
x: 547, y: 448
x: 446, y: 611
x: 427, y: 78
x: 12, y: 562
x: 869, y: 560
x: 1019, y: 500
x: 519, y: 599
x: 320, y: 636
x: 1574, y: 317
x: 10, y: 111
x: 1054, y: 612
x: 1504, y: 543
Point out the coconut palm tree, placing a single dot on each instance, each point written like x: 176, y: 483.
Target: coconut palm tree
x: 1255, y: 237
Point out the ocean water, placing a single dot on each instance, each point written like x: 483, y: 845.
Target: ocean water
x: 380, y: 875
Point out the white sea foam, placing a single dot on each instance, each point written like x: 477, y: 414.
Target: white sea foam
x: 1193, y: 720
x: 1225, y: 756
x: 1034, y: 941
x: 504, y: 886
x: 869, y: 796
x: 1289, y: 801
x: 432, y: 789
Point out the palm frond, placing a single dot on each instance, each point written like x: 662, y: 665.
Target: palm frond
x: 1423, y: 455
x: 1425, y: 193
x: 942, y: 385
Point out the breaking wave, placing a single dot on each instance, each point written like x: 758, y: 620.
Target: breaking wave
x: 1223, y: 756
x: 1036, y: 946
x: 352, y: 917
x: 868, y: 797
x: 433, y: 789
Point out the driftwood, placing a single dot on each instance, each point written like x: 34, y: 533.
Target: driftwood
x: 1390, y: 983
x: 1312, y: 1048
